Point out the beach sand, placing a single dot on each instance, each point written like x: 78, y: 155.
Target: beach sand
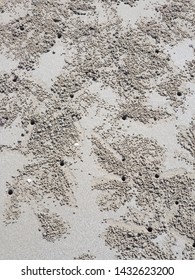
x: 97, y: 129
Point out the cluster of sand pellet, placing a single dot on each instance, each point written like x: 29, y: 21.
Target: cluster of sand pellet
x: 52, y: 226
x: 85, y: 257
x: 186, y: 138
x: 137, y: 109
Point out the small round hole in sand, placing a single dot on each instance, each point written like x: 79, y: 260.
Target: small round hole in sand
x: 71, y: 95
x: 62, y: 162
x: 155, y: 119
x: 149, y: 229
x: 10, y: 191
x: 179, y: 93
x: 15, y: 78
x: 22, y: 27
x: 123, y: 178
x: 176, y: 202
x: 156, y: 175
x: 124, y: 117
x: 157, y: 51
x: 123, y: 158
x: 59, y: 35
x: 32, y: 121
x: 193, y: 245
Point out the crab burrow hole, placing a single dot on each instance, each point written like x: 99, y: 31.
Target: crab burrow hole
x: 62, y: 163
x: 10, y: 191
x: 32, y: 121
x: 123, y: 178
x: 124, y: 117
x: 149, y: 229
x: 123, y: 158
x: 179, y: 93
